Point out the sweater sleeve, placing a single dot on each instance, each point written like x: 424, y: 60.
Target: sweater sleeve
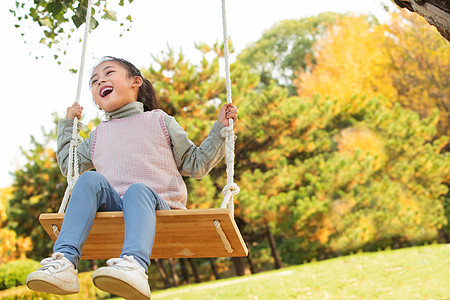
x: 64, y: 136
x: 191, y: 160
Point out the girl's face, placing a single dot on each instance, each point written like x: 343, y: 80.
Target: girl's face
x: 112, y: 87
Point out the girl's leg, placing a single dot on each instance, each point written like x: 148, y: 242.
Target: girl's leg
x: 91, y: 193
x: 139, y: 205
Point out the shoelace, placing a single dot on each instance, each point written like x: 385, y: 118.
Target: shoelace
x: 52, y: 263
x: 127, y: 263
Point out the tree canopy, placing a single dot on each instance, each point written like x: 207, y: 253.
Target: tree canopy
x: 404, y: 60
x: 284, y: 49
x: 59, y: 19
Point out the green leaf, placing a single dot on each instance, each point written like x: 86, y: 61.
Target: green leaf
x: 77, y: 20
x: 93, y: 24
x: 110, y: 15
x: 46, y: 22
x: 54, y: 7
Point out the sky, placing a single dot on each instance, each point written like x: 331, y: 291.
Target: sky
x: 34, y: 89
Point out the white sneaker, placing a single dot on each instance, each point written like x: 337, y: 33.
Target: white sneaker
x: 56, y: 276
x: 123, y: 277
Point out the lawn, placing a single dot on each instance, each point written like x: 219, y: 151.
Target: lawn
x: 411, y: 273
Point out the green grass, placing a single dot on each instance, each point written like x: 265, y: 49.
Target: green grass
x: 411, y: 273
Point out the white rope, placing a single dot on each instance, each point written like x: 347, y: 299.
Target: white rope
x: 73, y: 172
x: 231, y: 189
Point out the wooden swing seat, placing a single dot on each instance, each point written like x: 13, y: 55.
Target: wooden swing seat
x: 179, y: 234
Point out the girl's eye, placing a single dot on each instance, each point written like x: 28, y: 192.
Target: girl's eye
x: 109, y: 72
x: 93, y: 82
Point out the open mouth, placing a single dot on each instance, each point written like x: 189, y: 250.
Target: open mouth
x: 105, y: 91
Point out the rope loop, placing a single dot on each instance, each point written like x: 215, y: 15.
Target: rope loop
x: 228, y: 131
x: 232, y: 188
x: 75, y: 142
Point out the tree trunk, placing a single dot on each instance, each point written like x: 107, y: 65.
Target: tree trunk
x: 250, y: 260
x: 273, y: 247
x: 174, y: 273
x: 240, y: 266
x: 194, y: 270
x: 214, y: 269
x: 94, y: 265
x: 184, y: 271
x: 163, y: 273
x: 434, y: 11
x: 443, y: 236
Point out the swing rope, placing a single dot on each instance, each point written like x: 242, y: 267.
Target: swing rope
x: 230, y: 190
x: 73, y: 172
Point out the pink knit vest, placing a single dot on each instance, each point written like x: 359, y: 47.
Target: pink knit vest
x: 137, y: 150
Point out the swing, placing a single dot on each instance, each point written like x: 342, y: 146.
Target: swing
x: 191, y: 233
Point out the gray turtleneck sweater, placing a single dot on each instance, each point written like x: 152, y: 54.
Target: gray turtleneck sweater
x: 191, y: 160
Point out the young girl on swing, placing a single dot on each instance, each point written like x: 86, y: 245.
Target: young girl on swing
x: 140, y: 154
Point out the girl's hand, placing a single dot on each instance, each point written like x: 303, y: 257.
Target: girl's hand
x: 228, y: 111
x: 74, y: 111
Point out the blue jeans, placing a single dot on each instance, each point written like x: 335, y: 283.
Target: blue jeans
x: 93, y: 193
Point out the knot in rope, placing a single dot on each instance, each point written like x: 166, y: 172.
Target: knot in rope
x: 71, y: 180
x: 227, y: 131
x: 232, y: 188
x: 75, y: 141
x: 76, y: 138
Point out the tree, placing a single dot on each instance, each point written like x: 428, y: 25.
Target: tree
x: 404, y: 60
x: 349, y: 60
x: 284, y: 48
x: 340, y: 179
x: 420, y: 64
x: 11, y: 246
x: 59, y: 19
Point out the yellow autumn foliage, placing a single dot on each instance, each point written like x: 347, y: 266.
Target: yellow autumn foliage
x: 404, y: 60
x: 11, y: 246
x: 350, y: 61
x: 350, y: 140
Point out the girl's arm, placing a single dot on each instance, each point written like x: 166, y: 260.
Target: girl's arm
x: 196, y: 161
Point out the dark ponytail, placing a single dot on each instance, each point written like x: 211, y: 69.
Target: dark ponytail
x: 147, y: 93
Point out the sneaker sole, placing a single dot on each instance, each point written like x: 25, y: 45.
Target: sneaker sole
x: 118, y: 287
x: 46, y: 286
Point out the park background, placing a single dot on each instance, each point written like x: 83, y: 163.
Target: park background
x: 342, y: 140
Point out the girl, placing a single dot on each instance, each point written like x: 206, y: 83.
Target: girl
x: 140, y: 154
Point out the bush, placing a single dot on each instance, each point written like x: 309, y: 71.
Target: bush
x: 15, y: 273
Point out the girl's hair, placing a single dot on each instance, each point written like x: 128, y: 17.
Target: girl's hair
x: 147, y: 93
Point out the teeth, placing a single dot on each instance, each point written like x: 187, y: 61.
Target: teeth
x: 105, y: 91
